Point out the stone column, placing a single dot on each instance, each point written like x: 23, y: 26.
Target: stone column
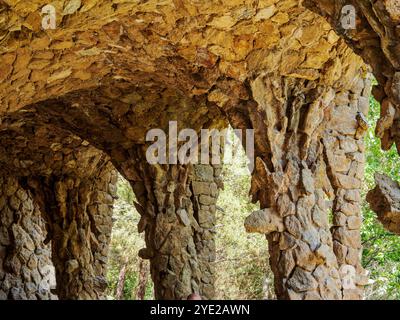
x: 295, y: 221
x: 26, y: 270
x: 100, y: 212
x: 293, y: 119
x: 177, y: 208
x: 204, y: 185
x: 79, y: 217
x: 167, y: 219
x: 344, y: 151
x: 375, y: 38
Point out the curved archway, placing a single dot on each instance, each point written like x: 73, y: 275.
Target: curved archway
x: 271, y: 66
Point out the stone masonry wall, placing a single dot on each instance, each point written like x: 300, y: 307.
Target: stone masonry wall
x: 205, y: 183
x: 26, y: 270
x: 308, y: 149
x: 177, y: 208
x: 344, y: 151
x: 384, y: 200
x: 79, y: 220
x: 270, y: 65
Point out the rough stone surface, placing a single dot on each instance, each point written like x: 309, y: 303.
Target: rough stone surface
x: 384, y: 200
x: 79, y: 220
x: 179, y: 227
x: 74, y: 98
x: 79, y: 181
x: 26, y: 269
x: 376, y: 39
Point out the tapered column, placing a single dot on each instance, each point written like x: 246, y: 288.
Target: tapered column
x: 309, y: 161
x: 26, y: 270
x: 344, y: 152
x: 177, y: 207
x: 297, y: 229
x: 205, y: 183
x: 167, y: 219
x: 79, y: 218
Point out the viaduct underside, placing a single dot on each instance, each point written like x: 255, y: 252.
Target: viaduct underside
x: 77, y: 102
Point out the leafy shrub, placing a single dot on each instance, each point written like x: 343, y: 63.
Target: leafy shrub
x: 381, y: 254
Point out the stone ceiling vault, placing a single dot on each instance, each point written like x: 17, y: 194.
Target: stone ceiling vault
x: 112, y: 70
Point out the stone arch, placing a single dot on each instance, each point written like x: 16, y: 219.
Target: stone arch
x: 268, y: 65
x: 378, y: 22
x: 64, y: 193
x: 104, y: 120
x: 376, y: 40
x: 71, y: 186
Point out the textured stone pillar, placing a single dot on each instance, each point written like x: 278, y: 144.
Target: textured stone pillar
x: 25, y: 263
x: 344, y: 150
x: 376, y: 38
x: 300, y: 244
x: 79, y: 217
x: 100, y: 212
x: 205, y: 184
x: 177, y: 208
x: 167, y: 219
x: 308, y: 149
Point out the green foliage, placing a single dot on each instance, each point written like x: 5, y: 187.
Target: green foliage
x: 125, y: 244
x: 381, y: 254
x: 124, y: 191
x: 242, y: 268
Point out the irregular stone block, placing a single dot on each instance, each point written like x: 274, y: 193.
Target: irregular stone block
x: 263, y: 221
x: 302, y: 281
x: 384, y: 200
